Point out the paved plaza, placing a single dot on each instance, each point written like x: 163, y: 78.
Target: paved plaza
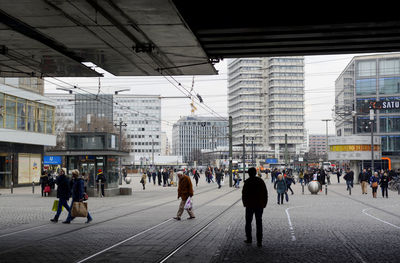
x: 336, y: 227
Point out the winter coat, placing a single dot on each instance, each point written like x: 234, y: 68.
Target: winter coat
x: 78, y: 189
x: 364, y: 177
x: 384, y: 182
x: 185, y: 187
x: 349, y: 176
x: 254, y: 193
x: 280, y: 186
x: 144, y: 178
x: 373, y: 179
x: 63, y: 190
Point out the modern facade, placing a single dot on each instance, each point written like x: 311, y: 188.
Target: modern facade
x: 26, y: 126
x: 317, y: 144
x: 367, y: 80
x: 192, y: 134
x: 141, y: 136
x: 266, y: 102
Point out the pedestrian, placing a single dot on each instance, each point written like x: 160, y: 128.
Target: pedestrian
x: 165, y: 176
x: 159, y: 177
x: 196, y: 177
x: 280, y: 187
x: 149, y: 175
x: 143, y: 180
x: 349, y: 177
x: 102, y: 180
x: 301, y: 177
x: 338, y: 174
x: 63, y: 194
x: 384, y: 183
x: 185, y: 190
x: 218, y: 176
x: 154, y: 175
x: 85, y: 178
x: 44, y: 181
x: 77, y: 193
x: 255, y: 199
x: 374, y: 181
x: 289, y: 180
x: 364, y: 181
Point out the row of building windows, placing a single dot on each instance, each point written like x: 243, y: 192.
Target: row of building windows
x: 385, y: 86
x: 386, y: 67
x: 25, y: 115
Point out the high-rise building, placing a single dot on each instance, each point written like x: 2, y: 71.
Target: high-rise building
x: 367, y: 81
x: 317, y: 144
x: 141, y: 114
x: 191, y: 134
x: 266, y: 102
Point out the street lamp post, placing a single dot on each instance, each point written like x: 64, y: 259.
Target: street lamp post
x: 371, y: 118
x: 327, y: 146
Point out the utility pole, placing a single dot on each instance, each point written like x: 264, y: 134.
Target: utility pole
x: 230, y: 151
x: 286, y: 151
x: 152, y: 152
x: 120, y: 125
x: 252, y: 151
x: 244, y: 157
x: 371, y: 118
x: 327, y: 146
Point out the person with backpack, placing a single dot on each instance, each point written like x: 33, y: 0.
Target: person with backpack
x: 63, y: 194
x: 280, y: 187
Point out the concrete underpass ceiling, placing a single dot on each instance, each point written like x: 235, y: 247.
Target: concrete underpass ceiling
x: 124, y: 37
x: 230, y: 29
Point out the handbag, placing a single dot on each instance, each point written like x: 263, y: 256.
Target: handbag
x: 79, y: 209
x: 374, y: 184
x: 188, y: 204
x: 47, y: 189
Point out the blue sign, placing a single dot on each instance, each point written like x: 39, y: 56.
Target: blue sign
x: 52, y: 160
x: 273, y: 160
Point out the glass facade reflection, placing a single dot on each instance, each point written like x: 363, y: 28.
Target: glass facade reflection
x: 25, y: 115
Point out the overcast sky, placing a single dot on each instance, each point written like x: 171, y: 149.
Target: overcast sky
x: 320, y: 75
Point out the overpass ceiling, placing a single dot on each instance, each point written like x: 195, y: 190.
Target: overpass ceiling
x: 123, y: 37
x: 229, y: 29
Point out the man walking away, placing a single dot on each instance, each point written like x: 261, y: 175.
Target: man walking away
x: 196, y: 177
x: 218, y: 177
x: 364, y: 178
x: 185, y: 190
x: 102, y: 178
x: 255, y: 199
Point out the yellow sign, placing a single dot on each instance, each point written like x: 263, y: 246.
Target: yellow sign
x: 353, y: 148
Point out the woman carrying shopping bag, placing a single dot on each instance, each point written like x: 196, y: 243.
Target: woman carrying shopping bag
x: 77, y: 199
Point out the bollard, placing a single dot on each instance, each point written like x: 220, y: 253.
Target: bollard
x: 398, y: 189
x: 99, y: 188
x: 12, y: 187
x: 33, y: 187
x: 349, y: 190
x: 302, y: 188
x: 326, y: 189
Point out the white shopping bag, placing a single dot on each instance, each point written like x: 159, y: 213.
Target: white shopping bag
x: 189, y: 204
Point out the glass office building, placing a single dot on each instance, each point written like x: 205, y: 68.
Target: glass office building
x: 371, y: 79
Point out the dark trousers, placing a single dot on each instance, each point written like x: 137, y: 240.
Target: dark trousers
x: 384, y: 191
x: 61, y: 203
x: 249, y: 218
x: 289, y: 188
x: 280, y: 198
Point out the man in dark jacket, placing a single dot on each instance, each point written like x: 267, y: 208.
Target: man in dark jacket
x: 349, y: 177
x: 364, y: 178
x: 255, y: 199
x: 102, y: 179
x: 63, y: 194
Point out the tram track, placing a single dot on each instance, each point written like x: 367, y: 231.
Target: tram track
x: 176, y: 247
x: 100, y: 211
x: 109, y: 220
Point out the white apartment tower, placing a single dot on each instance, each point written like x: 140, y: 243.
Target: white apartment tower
x: 266, y: 102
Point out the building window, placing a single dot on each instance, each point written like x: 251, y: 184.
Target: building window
x: 366, y: 68
x: 365, y: 86
x: 389, y: 67
x: 389, y: 85
x: 389, y: 124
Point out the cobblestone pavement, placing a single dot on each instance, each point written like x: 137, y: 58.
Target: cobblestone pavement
x: 337, y: 227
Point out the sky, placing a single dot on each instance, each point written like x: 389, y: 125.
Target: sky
x: 320, y: 75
